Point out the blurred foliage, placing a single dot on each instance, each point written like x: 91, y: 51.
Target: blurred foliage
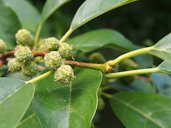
x: 143, y: 22
x: 140, y: 22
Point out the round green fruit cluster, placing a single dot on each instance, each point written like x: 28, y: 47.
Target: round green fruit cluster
x: 23, y: 60
x: 55, y: 60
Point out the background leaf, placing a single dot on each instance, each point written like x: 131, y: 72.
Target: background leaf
x: 99, y: 38
x: 62, y: 106
x: 91, y: 9
x: 138, y: 110
x: 8, y: 27
x: 162, y: 83
x: 30, y: 122
x: 26, y: 13
x: 162, y: 48
x: 15, y: 98
x: 50, y: 7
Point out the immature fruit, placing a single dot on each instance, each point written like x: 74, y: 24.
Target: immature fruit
x: 51, y: 44
x: 65, y: 50
x: 30, y: 69
x: 3, y: 46
x: 24, y: 37
x: 23, y: 54
x: 14, y: 65
x: 53, y: 60
x: 64, y: 74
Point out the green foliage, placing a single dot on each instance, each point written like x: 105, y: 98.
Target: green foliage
x: 13, y: 90
x: 88, y: 10
x: 27, y: 14
x: 65, y: 106
x: 61, y: 95
x: 96, y: 39
x: 150, y: 110
x: 162, y: 48
x: 50, y: 7
x: 165, y: 67
x: 31, y: 121
x: 8, y: 26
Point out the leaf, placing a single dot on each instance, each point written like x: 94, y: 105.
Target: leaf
x: 91, y: 9
x: 165, y: 67
x: 96, y: 39
x: 162, y: 48
x: 68, y: 106
x: 30, y: 122
x: 27, y: 14
x: 162, y: 83
x: 8, y: 24
x: 15, y: 98
x: 138, y: 110
x: 50, y: 7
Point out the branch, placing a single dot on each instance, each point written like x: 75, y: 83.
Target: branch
x: 133, y: 72
x: 105, y: 68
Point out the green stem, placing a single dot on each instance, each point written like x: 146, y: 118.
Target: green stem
x: 37, y: 36
x: 128, y: 55
x: 67, y: 34
x: 133, y: 72
x: 106, y: 95
x: 39, y: 77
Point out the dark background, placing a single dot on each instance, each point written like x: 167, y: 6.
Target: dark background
x: 140, y: 21
x: 143, y: 22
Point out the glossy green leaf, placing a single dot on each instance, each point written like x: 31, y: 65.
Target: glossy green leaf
x: 165, y: 67
x: 138, y: 110
x: 50, y: 7
x: 15, y: 98
x: 91, y: 9
x: 60, y: 106
x: 9, y: 24
x: 30, y: 122
x: 99, y: 38
x: 27, y: 14
x: 162, y: 48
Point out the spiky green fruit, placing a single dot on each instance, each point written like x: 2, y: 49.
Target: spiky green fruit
x: 65, y: 50
x: 64, y: 74
x: 30, y: 69
x: 53, y: 60
x: 24, y: 37
x: 23, y: 54
x: 3, y: 46
x: 14, y: 65
x: 51, y: 44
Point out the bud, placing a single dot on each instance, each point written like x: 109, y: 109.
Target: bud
x: 3, y: 46
x: 30, y: 69
x: 64, y: 74
x: 14, y: 65
x: 51, y: 44
x: 23, y: 54
x: 53, y: 60
x: 65, y: 50
x: 24, y: 37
